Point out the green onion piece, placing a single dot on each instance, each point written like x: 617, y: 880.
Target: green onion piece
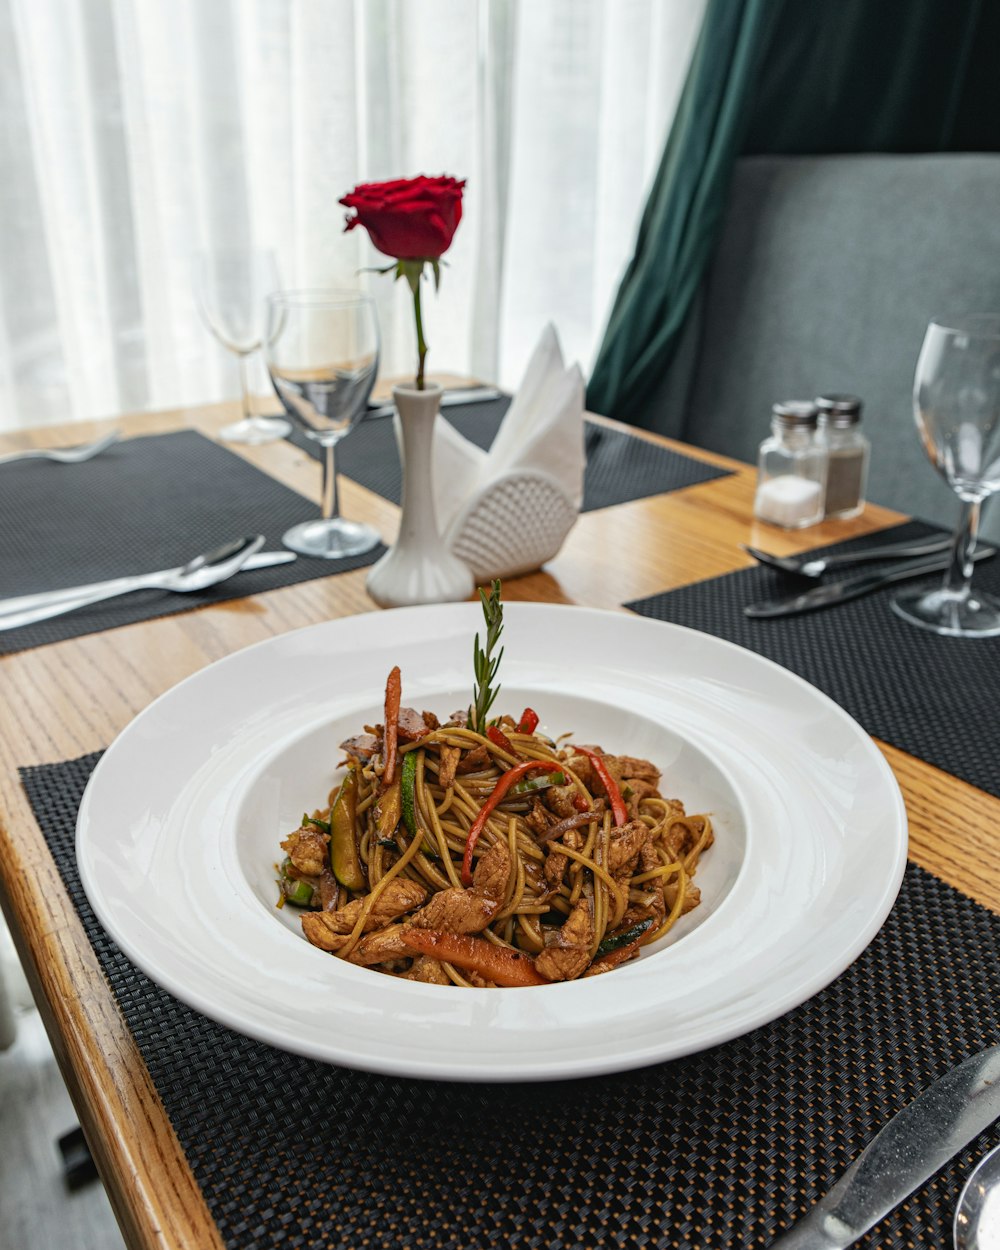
x: 541, y: 781
x: 299, y: 893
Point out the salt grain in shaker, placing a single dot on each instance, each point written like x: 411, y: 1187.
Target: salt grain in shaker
x: 792, y: 467
x: 848, y: 449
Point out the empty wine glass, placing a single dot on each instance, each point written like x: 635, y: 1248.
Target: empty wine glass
x: 322, y: 351
x: 956, y: 404
x: 230, y: 286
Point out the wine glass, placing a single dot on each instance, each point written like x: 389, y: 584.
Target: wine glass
x: 322, y: 351
x: 230, y: 287
x: 956, y: 404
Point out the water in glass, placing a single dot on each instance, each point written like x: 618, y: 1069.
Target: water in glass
x: 322, y: 351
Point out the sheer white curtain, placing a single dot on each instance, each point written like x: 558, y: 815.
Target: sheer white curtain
x: 138, y: 131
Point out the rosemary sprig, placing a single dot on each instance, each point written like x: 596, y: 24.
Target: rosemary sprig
x: 484, y: 662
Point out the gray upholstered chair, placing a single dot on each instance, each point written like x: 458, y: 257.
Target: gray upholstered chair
x: 825, y: 276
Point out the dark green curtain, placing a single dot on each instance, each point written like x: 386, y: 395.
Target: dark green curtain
x: 685, y: 206
x: 880, y: 76
x: 789, y: 76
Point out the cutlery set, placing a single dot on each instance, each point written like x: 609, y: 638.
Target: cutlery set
x: 907, y: 1151
x: 916, y: 559
x: 207, y: 569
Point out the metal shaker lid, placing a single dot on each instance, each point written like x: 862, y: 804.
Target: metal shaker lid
x: 796, y: 413
x: 839, y: 411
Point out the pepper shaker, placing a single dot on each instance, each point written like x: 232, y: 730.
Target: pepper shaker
x: 848, y: 451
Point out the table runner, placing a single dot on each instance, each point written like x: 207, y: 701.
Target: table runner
x: 722, y: 1149
x: 145, y: 504
x: 932, y: 697
x: 620, y: 466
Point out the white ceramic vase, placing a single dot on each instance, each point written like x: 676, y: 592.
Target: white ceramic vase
x: 418, y: 568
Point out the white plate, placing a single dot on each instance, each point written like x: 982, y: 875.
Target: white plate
x: 179, y: 828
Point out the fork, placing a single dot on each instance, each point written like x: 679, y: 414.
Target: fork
x: 65, y: 455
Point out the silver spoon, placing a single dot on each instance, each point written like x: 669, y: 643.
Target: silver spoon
x: 65, y: 455
x: 815, y: 566
x: 207, y: 569
x: 977, y: 1217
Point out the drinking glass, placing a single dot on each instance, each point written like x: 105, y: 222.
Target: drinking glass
x: 230, y: 287
x: 322, y: 351
x: 956, y: 404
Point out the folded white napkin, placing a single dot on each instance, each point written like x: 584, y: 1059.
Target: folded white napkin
x: 541, y: 437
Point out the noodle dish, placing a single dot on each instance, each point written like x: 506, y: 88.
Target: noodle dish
x: 479, y: 851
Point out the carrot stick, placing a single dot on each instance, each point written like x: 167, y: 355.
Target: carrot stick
x: 393, y: 694
x: 495, y: 963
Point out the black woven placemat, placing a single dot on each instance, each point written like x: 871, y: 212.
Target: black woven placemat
x: 620, y: 467
x: 933, y: 697
x: 145, y: 504
x: 718, y: 1150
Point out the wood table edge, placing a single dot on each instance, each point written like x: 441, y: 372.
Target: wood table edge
x: 172, y: 1213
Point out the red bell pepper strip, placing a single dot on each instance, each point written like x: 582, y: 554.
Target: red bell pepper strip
x: 495, y: 963
x: 528, y: 722
x: 618, y: 808
x: 499, y: 739
x: 393, y: 693
x: 496, y: 795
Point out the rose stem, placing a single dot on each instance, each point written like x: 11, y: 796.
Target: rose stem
x: 421, y: 345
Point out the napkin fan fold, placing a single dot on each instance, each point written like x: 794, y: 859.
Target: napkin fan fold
x: 508, y: 510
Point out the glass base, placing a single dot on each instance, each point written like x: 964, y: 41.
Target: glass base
x: 331, y: 540
x: 975, y: 615
x: 255, y: 430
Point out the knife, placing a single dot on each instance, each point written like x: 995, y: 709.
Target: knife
x: 473, y: 395
x: 46, y: 598
x: 853, y: 587
x: 917, y: 1142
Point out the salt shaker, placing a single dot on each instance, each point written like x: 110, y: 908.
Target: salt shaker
x: 792, y: 468
x: 848, y: 450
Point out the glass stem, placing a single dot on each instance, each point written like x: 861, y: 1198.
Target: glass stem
x: 329, y: 500
x: 959, y: 575
x: 245, y: 393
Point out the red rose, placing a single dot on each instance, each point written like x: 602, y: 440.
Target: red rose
x: 408, y: 218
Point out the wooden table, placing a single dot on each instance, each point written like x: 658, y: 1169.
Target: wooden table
x: 64, y: 700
